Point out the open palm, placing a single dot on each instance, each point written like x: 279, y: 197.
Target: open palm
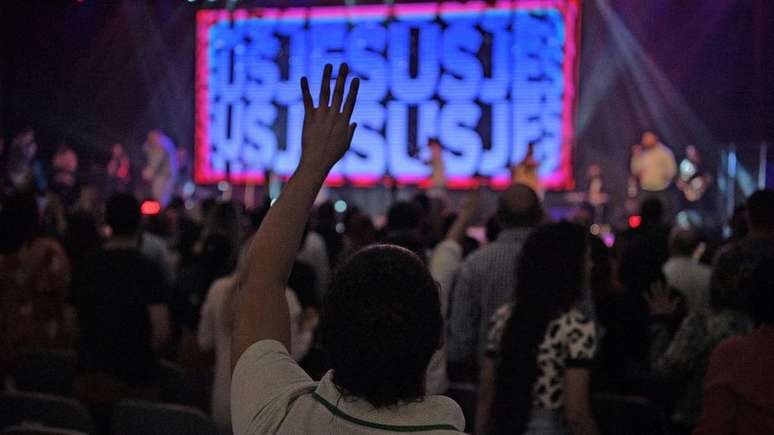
x: 327, y: 130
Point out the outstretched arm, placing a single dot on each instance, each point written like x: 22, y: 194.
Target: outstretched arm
x: 261, y: 310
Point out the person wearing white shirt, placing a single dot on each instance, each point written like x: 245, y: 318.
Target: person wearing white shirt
x: 653, y: 165
x: 684, y: 273
x: 444, y: 263
x: 381, y: 321
x: 214, y: 333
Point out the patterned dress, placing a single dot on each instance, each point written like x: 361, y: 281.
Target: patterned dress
x: 570, y: 341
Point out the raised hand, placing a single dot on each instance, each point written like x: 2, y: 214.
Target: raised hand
x: 327, y: 131
x: 261, y: 309
x: 660, y: 301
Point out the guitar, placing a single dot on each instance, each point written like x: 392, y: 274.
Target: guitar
x: 694, y: 189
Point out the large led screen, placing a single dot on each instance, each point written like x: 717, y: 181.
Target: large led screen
x: 484, y: 78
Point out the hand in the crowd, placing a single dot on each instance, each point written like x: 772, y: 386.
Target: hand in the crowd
x: 327, y: 132
x: 660, y: 301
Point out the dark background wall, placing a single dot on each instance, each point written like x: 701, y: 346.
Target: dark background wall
x: 97, y: 72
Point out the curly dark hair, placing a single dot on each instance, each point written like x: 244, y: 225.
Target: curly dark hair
x: 551, y: 272
x: 381, y: 323
x: 122, y: 213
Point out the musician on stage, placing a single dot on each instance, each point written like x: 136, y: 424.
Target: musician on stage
x: 119, y: 169
x: 693, y: 181
x: 653, y: 165
x: 160, y: 170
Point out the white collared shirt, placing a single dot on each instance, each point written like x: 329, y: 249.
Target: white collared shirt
x: 270, y: 393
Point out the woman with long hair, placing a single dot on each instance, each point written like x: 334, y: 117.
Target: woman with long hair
x: 535, y: 377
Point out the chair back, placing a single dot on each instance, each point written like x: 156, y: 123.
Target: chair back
x: 174, y: 388
x: 44, y: 409
x: 35, y: 429
x: 134, y: 417
x: 45, y: 371
x: 628, y: 416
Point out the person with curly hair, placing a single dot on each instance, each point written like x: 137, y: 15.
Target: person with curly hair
x: 381, y: 319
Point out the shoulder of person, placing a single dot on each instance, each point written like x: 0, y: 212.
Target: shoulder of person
x: 731, y: 348
x: 222, y: 285
x: 576, y: 316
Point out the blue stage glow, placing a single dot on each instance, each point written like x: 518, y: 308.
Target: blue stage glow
x: 484, y: 80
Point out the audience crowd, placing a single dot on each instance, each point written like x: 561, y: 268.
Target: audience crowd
x: 281, y: 322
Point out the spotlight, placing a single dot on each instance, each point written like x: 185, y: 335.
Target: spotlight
x: 635, y: 221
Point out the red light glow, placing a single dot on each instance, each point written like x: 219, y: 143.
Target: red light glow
x: 150, y: 208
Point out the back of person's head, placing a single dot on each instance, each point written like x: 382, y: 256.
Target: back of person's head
x: 551, y: 272
x: 404, y: 215
x: 409, y: 240
x: 82, y: 235
x: 205, y: 207
x: 381, y: 323
x: 760, y: 210
x: 19, y: 221
x: 684, y: 242
x: 519, y: 206
x: 224, y: 217
x: 738, y: 222
x: 360, y: 230
x: 652, y: 211
x: 122, y: 214
x: 640, y: 266
x: 219, y: 255
x: 423, y: 201
x: 762, y: 294
x: 326, y: 214
x: 492, y: 228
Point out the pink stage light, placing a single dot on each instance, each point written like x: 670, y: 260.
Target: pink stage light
x: 559, y: 178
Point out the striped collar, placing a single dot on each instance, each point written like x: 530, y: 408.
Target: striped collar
x: 433, y: 413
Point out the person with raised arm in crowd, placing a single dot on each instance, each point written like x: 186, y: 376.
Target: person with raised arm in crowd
x: 381, y: 319
x: 445, y: 261
x: 214, y: 333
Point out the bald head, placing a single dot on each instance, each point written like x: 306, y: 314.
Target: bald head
x: 519, y: 206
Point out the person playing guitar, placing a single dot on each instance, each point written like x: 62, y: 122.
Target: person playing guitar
x: 693, y: 179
